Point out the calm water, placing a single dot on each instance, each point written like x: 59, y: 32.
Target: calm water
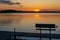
x: 25, y: 22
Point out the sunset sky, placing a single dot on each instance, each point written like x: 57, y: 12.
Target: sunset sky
x: 30, y: 4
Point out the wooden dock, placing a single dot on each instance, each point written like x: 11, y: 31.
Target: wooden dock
x: 26, y: 34
x: 54, y: 36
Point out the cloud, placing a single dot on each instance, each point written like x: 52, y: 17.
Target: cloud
x: 7, y: 2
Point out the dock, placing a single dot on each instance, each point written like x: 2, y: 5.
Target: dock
x: 26, y: 34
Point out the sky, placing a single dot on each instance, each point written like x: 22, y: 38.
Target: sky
x: 30, y: 4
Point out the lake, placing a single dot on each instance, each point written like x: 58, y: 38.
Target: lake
x: 25, y: 22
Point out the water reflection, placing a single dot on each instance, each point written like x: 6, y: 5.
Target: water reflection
x: 26, y: 22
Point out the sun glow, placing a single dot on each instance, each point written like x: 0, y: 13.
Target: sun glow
x: 36, y: 10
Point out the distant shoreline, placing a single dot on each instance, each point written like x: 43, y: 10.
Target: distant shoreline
x: 15, y: 11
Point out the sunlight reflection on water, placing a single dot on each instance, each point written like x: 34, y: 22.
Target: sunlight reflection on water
x: 25, y: 22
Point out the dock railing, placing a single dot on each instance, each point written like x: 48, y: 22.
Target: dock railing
x: 46, y: 27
